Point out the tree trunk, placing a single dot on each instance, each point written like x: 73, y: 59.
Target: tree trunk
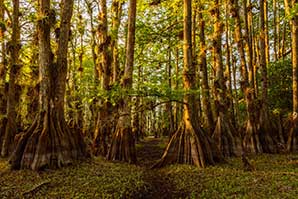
x: 33, y: 91
x: 251, y: 135
x: 189, y: 145
x: 123, y: 144
x: 275, y: 29
x: 235, y: 93
x: 263, y: 64
x: 251, y: 141
x: 169, y: 108
x: 49, y: 142
x: 265, y: 124
x: 12, y: 101
x: 116, y: 17
x: 224, y: 134
x: 228, y: 71
x: 292, y: 143
x: 208, y: 117
x: 103, y: 125
x: 3, y: 53
x: 2, y: 74
x: 239, y: 40
x: 176, y: 105
x: 78, y: 115
x: 249, y: 42
x: 266, y: 32
x: 93, y: 43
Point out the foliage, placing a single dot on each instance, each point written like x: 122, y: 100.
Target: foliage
x: 96, y: 179
x: 280, y: 85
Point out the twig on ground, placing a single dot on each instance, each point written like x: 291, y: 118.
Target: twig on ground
x: 36, y: 187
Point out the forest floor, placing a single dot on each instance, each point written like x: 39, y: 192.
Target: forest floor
x: 276, y: 176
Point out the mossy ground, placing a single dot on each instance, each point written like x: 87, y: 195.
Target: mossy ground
x: 276, y: 176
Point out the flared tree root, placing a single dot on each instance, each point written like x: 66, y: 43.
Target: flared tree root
x: 99, y: 143
x: 48, y: 143
x: 251, y: 141
x: 292, y: 142
x: 268, y: 135
x: 189, y: 146
x: 123, y: 144
x: 226, y: 138
x: 10, y: 131
x: 3, y: 123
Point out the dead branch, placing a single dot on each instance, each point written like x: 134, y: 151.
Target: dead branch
x: 36, y: 187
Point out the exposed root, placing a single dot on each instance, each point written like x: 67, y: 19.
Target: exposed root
x: 123, y: 144
x: 36, y: 187
x: 3, y: 122
x: 251, y: 141
x: 99, y: 145
x: 247, y: 166
x: 10, y: 131
x: 292, y: 143
x: 188, y: 146
x: 281, y: 145
x: 48, y: 143
x: 225, y: 137
x: 268, y: 137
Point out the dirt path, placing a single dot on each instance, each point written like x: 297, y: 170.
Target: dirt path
x: 149, y: 151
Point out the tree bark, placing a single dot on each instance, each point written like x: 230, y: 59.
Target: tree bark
x: 93, y: 43
x: 228, y: 71
x: 3, y: 119
x: 266, y: 127
x: 249, y: 42
x: 116, y: 17
x: 239, y: 40
x: 13, y: 98
x: 169, y: 107
x: 224, y: 134
x: 189, y: 144
x: 103, y: 125
x: 275, y: 29
x: 49, y: 142
x: 123, y: 141
x: 251, y: 135
x: 3, y: 69
x: 90, y: 8
x: 208, y: 117
x: 266, y: 32
x: 292, y: 143
x: 176, y: 105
